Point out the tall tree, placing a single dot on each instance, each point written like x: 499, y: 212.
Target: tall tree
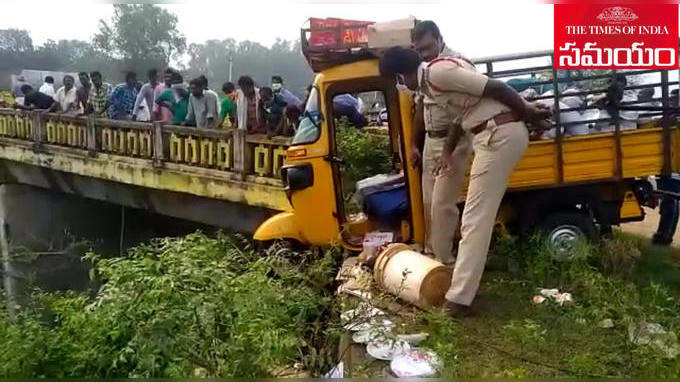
x: 142, y: 35
x: 15, y: 41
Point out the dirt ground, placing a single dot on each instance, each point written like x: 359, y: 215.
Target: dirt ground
x: 647, y: 227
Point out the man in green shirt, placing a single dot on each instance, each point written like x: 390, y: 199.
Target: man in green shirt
x: 228, y: 106
x: 176, y: 99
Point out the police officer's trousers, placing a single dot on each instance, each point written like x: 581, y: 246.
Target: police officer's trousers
x: 497, y: 151
x: 440, y: 196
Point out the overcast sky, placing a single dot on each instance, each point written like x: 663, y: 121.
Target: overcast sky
x: 476, y: 28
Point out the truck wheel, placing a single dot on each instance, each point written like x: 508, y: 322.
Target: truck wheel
x: 563, y: 229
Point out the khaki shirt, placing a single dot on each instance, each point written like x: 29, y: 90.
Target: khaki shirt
x: 437, y: 117
x: 457, y: 85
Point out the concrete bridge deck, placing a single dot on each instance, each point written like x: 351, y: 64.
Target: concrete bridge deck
x: 222, y: 178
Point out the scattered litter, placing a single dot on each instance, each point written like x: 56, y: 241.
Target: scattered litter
x: 356, y: 279
x: 372, y: 242
x: 415, y: 363
x: 549, y: 292
x: 654, y: 334
x: 553, y: 294
x: 386, y: 350
x: 413, y: 339
x: 347, y: 269
x: 370, y: 335
x: 607, y: 323
x: 355, y: 272
x: 337, y: 372
x: 362, y: 294
x: 363, y: 312
x: 353, y: 290
x: 383, y: 324
x: 563, y: 298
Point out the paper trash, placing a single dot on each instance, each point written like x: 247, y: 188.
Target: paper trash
x: 373, y: 241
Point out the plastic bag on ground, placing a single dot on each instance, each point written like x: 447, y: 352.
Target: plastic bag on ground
x: 415, y: 363
x: 337, y: 372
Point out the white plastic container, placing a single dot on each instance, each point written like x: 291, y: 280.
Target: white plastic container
x: 411, y: 276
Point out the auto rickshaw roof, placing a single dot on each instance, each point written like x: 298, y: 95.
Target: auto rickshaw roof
x: 331, y: 42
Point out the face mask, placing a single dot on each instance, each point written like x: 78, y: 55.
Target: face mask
x: 276, y: 87
x: 404, y: 89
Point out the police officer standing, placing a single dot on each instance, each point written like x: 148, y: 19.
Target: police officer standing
x: 494, y: 114
x: 432, y: 123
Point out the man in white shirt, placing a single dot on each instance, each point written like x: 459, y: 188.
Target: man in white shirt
x: 66, y: 97
x: 145, y: 98
x: 48, y: 87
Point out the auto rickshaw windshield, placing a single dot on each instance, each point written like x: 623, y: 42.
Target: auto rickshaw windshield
x: 309, y: 129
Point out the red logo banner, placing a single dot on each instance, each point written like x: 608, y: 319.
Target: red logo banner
x: 611, y: 36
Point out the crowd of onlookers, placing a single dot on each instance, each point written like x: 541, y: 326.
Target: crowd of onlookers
x: 166, y: 97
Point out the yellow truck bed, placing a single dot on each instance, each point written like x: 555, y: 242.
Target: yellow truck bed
x: 594, y: 158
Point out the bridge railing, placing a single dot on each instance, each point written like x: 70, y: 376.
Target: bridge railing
x: 222, y: 150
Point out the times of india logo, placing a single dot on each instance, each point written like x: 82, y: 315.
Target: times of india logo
x: 617, y: 15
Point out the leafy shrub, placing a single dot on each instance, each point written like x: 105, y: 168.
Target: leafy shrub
x: 365, y: 154
x: 177, y: 307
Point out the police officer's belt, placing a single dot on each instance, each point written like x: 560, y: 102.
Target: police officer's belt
x: 500, y: 119
x: 437, y: 133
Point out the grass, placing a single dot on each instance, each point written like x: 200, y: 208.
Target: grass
x: 512, y: 337
x: 213, y: 306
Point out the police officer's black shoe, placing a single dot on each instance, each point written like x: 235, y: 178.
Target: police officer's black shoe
x: 455, y: 310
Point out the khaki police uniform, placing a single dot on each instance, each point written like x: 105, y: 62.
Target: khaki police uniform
x: 457, y: 85
x: 442, y: 192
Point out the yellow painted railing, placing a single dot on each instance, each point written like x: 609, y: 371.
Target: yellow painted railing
x: 225, y: 150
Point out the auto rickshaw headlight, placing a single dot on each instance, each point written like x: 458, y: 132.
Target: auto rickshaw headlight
x: 297, y: 177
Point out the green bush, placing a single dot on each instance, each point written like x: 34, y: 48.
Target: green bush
x: 365, y: 154
x: 177, y: 307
